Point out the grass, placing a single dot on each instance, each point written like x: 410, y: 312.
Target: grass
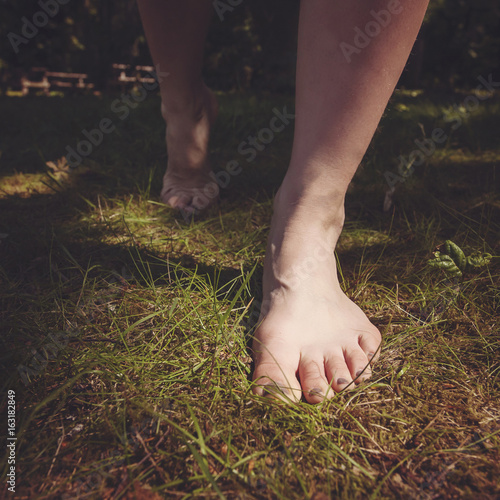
x: 125, y: 328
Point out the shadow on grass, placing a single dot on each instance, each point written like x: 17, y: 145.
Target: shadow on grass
x: 159, y: 305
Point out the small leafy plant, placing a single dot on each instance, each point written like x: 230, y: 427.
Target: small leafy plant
x: 454, y: 262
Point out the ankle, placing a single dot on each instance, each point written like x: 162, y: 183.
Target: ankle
x: 186, y: 102
x: 317, y: 211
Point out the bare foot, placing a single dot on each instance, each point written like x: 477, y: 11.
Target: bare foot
x: 309, y: 330
x: 188, y: 183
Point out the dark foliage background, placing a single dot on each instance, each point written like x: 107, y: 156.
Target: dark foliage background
x: 251, y: 45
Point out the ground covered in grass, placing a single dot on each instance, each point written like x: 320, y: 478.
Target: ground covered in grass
x: 125, y: 327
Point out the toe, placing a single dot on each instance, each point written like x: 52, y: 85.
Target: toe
x: 313, y: 378
x: 338, y: 372
x: 273, y: 381
x: 358, y: 363
x: 275, y: 375
x: 370, y: 343
x: 190, y: 196
x: 276, y: 390
x: 178, y: 200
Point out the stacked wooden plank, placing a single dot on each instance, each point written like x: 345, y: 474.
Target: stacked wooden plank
x: 42, y: 79
x: 122, y: 76
x: 126, y: 75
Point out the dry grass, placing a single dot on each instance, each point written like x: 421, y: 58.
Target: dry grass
x: 123, y: 330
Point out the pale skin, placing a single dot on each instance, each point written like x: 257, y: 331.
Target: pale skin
x: 311, y: 340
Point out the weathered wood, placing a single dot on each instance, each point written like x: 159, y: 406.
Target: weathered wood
x: 125, y: 75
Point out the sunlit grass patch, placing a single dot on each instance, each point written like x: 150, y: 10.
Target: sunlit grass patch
x: 24, y: 185
x: 125, y: 329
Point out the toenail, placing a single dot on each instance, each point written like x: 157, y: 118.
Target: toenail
x: 342, y: 381
x: 275, y: 390
x: 359, y: 372
x: 316, y: 392
x: 370, y: 355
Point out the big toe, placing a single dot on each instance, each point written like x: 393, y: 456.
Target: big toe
x: 275, y: 376
x: 176, y: 199
x: 190, y: 199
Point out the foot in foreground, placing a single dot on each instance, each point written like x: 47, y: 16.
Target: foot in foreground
x: 311, y: 339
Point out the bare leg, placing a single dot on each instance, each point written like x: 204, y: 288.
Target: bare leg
x: 310, y: 330
x: 176, y: 32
